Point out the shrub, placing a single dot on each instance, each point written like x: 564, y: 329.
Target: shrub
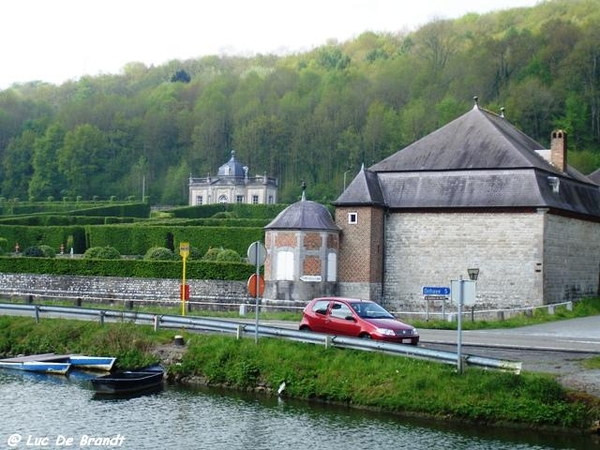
x: 159, y: 253
x: 228, y: 255
x: 4, y: 245
x: 48, y: 251
x: 102, y: 253
x: 212, y: 253
x: 34, y: 252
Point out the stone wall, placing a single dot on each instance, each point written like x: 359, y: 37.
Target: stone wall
x: 212, y: 293
x: 572, y: 259
x: 525, y: 259
x: 431, y: 249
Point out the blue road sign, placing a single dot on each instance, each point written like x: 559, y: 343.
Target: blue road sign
x: 428, y: 290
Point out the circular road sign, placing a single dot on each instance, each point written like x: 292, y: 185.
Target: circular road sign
x: 256, y: 285
x: 257, y: 253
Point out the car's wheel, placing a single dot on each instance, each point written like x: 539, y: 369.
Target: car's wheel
x: 414, y: 342
x: 365, y: 336
x: 304, y: 328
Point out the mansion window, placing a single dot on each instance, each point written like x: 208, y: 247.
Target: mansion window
x: 239, y: 199
x: 255, y: 199
x: 199, y: 200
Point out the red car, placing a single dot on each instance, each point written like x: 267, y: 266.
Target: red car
x: 356, y: 318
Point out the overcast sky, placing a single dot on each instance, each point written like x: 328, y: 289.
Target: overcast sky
x: 57, y: 40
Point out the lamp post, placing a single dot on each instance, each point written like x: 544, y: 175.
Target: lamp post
x: 345, y: 180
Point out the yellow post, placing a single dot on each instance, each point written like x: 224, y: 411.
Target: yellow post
x: 184, y: 251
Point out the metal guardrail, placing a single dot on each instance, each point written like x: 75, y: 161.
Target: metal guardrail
x: 241, y: 329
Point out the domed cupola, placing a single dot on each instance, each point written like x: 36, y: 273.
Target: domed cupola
x: 302, y: 252
x: 232, y: 168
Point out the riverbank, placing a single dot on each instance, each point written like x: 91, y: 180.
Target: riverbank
x: 377, y: 381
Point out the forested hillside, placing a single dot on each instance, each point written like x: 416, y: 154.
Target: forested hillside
x: 315, y: 116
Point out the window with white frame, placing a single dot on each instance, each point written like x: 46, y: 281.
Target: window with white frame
x: 239, y: 199
x: 255, y: 199
x: 198, y: 200
x: 353, y: 218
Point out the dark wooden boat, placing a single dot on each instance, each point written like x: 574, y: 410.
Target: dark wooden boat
x: 129, y: 381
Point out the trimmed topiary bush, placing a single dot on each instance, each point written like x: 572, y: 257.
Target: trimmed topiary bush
x: 34, y: 252
x: 228, y: 255
x: 102, y: 253
x: 48, y: 251
x: 160, y: 254
x: 212, y: 253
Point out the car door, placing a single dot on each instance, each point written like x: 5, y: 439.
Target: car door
x: 341, y: 320
x: 319, y: 316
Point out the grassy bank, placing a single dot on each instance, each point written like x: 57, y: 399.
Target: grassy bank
x: 360, y: 379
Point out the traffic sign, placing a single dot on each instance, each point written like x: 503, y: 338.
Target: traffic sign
x: 256, y: 285
x: 257, y: 253
x: 184, y: 249
x: 432, y: 290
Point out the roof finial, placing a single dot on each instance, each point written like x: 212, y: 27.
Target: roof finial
x: 476, y: 100
x: 303, y: 190
x: 502, y: 112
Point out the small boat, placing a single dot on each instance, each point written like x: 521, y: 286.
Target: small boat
x: 58, y: 364
x: 103, y: 363
x: 56, y: 368
x: 129, y: 381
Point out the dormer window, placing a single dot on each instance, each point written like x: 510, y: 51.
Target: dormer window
x: 353, y: 218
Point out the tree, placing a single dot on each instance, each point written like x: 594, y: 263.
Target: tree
x: 81, y: 161
x: 181, y: 76
x: 46, y: 179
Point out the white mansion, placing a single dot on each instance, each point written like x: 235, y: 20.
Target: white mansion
x: 233, y: 185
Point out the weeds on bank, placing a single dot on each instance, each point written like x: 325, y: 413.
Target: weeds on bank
x: 379, y: 381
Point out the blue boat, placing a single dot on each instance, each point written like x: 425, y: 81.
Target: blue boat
x: 58, y: 364
x: 103, y: 363
x: 57, y: 368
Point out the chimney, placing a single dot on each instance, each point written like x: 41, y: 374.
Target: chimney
x: 558, y: 150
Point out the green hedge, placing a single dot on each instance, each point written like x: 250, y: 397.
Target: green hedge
x: 195, y: 270
x: 135, y: 240
x: 54, y: 220
x: 241, y: 210
x: 50, y: 235
x: 129, y: 209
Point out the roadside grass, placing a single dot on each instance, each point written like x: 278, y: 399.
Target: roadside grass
x: 372, y: 380
x: 592, y: 363
x: 583, y: 308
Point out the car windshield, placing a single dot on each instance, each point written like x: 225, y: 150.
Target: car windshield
x: 371, y: 311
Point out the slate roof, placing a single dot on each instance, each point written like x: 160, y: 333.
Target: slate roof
x: 304, y: 215
x: 479, y: 160
x: 232, y: 168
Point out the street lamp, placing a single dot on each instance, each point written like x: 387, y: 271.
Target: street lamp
x: 473, y: 274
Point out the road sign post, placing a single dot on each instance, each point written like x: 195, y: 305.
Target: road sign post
x: 463, y: 292
x: 184, y: 252
x: 257, y: 254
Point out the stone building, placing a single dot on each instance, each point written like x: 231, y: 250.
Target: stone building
x: 233, y: 185
x: 302, y: 245
x: 476, y: 193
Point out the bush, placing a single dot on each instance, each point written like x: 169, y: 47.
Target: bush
x: 228, y: 255
x: 212, y: 253
x: 102, y: 253
x: 48, y: 251
x: 159, y: 253
x: 34, y: 252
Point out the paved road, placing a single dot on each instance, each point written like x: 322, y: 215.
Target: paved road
x: 574, y: 335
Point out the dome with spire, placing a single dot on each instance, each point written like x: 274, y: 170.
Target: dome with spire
x: 232, y: 168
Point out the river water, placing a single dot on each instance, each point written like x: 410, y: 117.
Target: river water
x: 44, y: 411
